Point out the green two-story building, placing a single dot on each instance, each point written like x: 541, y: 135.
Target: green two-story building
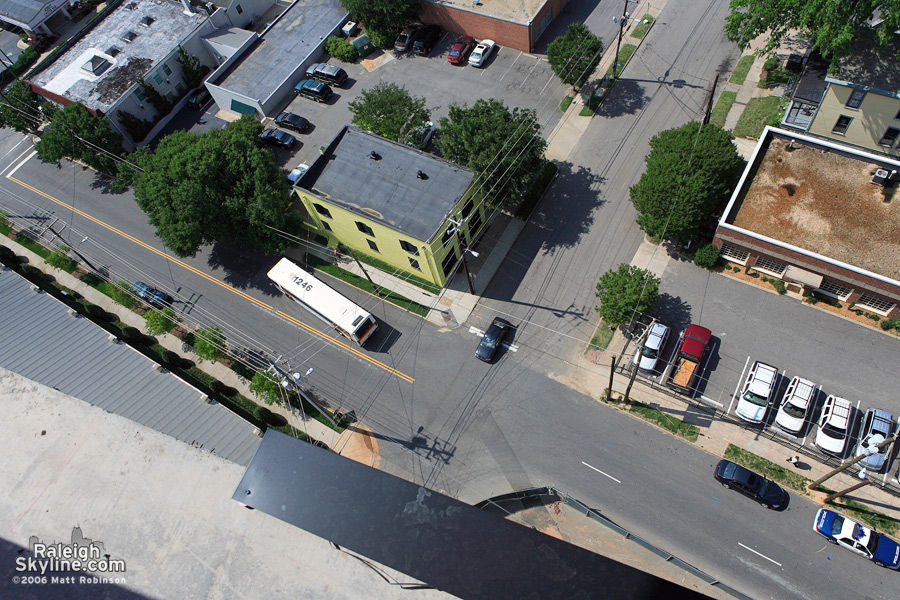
x: 406, y: 207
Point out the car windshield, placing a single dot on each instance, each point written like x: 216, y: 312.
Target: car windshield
x: 872, y: 543
x: 837, y: 525
x: 402, y: 39
x: 834, y: 432
x: 454, y: 52
x: 794, y: 411
x: 650, y: 352
x: 755, y: 398
x: 763, y: 487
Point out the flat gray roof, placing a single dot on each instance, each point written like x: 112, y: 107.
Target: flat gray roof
x: 282, y: 48
x: 347, y: 176
x: 40, y: 340
x: 150, y: 44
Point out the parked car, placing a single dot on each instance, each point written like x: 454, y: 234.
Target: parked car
x: 797, y: 405
x: 425, y: 40
x: 653, y: 345
x: 840, y: 530
x: 314, y: 90
x: 482, y: 53
x: 297, y: 173
x: 460, y: 50
x: 756, y: 396
x: 199, y: 99
x: 834, y: 426
x: 289, y: 120
x: 878, y: 426
x: 326, y: 73
x: 405, y: 39
x: 150, y: 295
x: 692, y: 347
x: 277, y: 137
x: 754, y: 486
x: 421, y: 135
x: 492, y: 339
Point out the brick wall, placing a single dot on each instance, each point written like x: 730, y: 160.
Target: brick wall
x: 859, y: 282
x: 479, y: 26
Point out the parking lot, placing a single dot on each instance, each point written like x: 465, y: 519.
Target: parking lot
x: 839, y: 357
x: 518, y: 79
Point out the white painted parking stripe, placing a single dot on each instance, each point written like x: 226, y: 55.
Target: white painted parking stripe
x: 759, y: 554
x: 738, y: 386
x: 510, y: 66
x: 601, y: 472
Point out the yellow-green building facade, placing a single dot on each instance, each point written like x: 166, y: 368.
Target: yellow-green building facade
x: 393, y: 202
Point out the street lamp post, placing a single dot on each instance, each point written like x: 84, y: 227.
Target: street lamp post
x: 622, y: 22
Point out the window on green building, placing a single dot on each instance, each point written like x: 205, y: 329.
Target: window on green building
x: 365, y: 228
x: 373, y: 245
x: 409, y: 247
x: 414, y: 263
x: 449, y: 262
x: 322, y: 210
x: 326, y: 225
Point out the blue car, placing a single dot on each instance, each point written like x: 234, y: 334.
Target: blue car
x: 151, y: 295
x: 840, y: 530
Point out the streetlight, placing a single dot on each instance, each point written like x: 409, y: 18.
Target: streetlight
x: 621, y: 22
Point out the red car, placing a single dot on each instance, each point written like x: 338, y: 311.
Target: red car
x: 461, y: 49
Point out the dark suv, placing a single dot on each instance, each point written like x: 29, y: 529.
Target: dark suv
x: 425, y: 40
x: 327, y: 74
x: 314, y: 90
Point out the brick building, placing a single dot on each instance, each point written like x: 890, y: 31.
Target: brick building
x: 511, y: 23
x: 819, y: 216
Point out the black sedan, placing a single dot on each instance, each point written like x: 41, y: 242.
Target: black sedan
x: 276, y: 137
x: 492, y: 339
x: 754, y: 486
x: 289, y: 120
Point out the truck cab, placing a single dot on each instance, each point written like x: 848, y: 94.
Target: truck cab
x: 692, y: 348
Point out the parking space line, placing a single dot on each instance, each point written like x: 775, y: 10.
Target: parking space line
x: 738, y: 386
x: 759, y: 554
x: 510, y: 66
x: 601, y: 472
x: 536, y: 63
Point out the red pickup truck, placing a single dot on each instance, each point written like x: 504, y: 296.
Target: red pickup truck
x: 693, y: 345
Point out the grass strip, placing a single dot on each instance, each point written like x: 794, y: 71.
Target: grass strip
x: 721, y: 109
x: 32, y: 245
x: 625, y: 53
x: 602, y: 337
x: 739, y: 75
x: 389, y: 268
x: 643, y: 27
x: 655, y: 416
x: 758, y: 113
x: 776, y: 473
x: 363, y: 284
x: 564, y: 104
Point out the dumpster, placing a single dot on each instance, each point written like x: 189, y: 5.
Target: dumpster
x: 364, y: 46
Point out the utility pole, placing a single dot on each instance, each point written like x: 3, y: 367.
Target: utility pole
x: 462, y: 246
x: 619, y: 39
x: 862, y: 483
x: 639, y: 355
x: 846, y: 466
x: 77, y: 253
x: 612, y: 371
x: 709, y: 104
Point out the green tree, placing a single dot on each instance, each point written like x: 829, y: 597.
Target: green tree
x: 504, y: 147
x: 386, y: 18
x: 265, y: 388
x: 77, y: 134
x: 388, y: 110
x: 221, y: 185
x: 706, y: 256
x: 209, y: 344
x: 833, y: 26
x: 158, y: 322
x: 626, y: 291
x: 341, y: 49
x: 691, y: 171
x: 20, y: 108
x: 574, y: 55
x: 192, y: 70
x: 59, y: 259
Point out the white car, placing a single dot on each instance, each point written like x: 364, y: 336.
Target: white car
x: 796, y: 406
x: 834, y: 426
x: 297, y: 173
x: 482, y: 53
x: 653, y: 345
x: 756, y: 396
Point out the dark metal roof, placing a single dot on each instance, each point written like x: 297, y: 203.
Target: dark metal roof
x: 25, y: 11
x: 812, y: 83
x: 40, y: 340
x: 433, y: 538
x: 348, y: 176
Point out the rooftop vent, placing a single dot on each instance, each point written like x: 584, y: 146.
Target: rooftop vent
x: 421, y: 175
x: 97, y: 65
x: 113, y: 51
x: 373, y: 212
x: 129, y: 36
x: 131, y: 5
x: 374, y: 155
x: 147, y: 21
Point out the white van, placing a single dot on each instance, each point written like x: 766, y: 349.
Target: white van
x: 796, y: 406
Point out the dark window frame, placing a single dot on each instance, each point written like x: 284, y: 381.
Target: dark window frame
x: 409, y: 247
x: 838, y: 128
x: 449, y: 262
x: 856, y: 99
x: 363, y: 228
x: 326, y: 225
x: 414, y: 263
x: 890, y: 138
x: 322, y: 210
x: 373, y: 246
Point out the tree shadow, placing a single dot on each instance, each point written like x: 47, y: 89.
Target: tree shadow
x: 626, y: 97
x: 572, y: 12
x: 674, y: 312
x: 103, y: 184
x: 243, y: 268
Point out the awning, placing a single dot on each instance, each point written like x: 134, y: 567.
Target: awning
x: 798, y: 275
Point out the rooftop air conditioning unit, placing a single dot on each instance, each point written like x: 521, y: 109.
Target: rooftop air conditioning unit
x: 880, y: 177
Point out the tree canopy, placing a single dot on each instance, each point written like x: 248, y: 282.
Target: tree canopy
x: 77, y: 134
x: 690, y: 172
x: 20, y: 109
x: 833, y: 25
x: 626, y: 291
x: 389, y: 110
x: 504, y: 147
x: 217, y: 186
x: 386, y: 18
x: 574, y: 55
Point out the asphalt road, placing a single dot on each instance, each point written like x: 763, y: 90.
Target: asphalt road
x: 476, y: 430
